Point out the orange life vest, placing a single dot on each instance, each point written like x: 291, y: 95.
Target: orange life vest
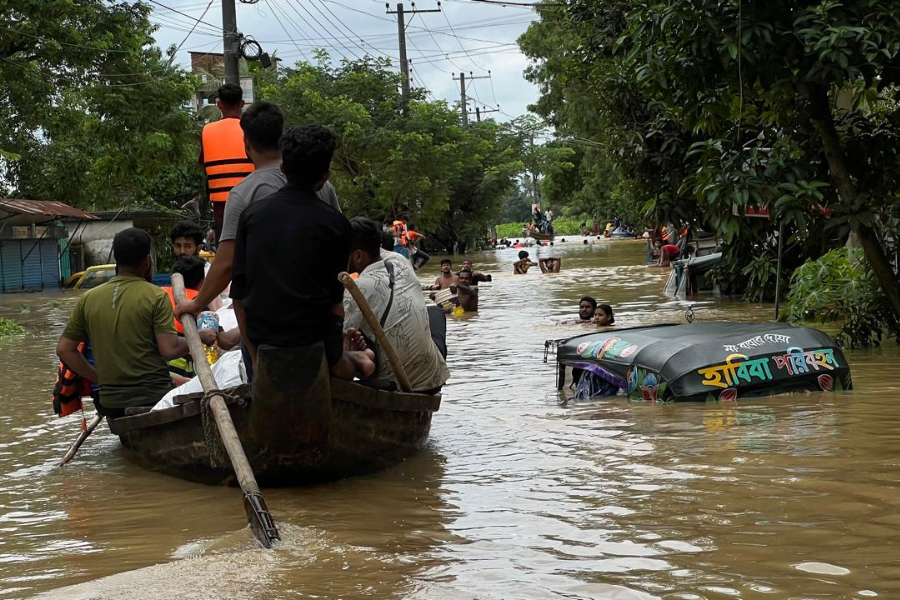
x: 191, y: 294
x: 224, y: 157
x: 400, y: 232
x: 69, y: 389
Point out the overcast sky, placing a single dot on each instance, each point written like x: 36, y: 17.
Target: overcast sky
x: 467, y: 35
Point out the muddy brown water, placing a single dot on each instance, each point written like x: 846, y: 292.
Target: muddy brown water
x: 516, y: 495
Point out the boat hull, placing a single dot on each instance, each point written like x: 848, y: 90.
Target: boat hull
x: 330, y: 430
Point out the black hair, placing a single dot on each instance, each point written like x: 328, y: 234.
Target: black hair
x: 469, y: 271
x: 446, y: 261
x: 230, y: 94
x: 263, y: 124
x: 131, y: 246
x: 193, y: 269
x: 522, y: 254
x: 187, y: 229
x: 387, y: 240
x: 306, y: 153
x: 607, y: 309
x: 366, y: 236
x: 589, y: 299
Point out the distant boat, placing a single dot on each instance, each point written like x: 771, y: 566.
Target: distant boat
x: 543, y: 237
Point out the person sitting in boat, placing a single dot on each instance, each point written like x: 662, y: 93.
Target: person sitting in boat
x: 521, y: 266
x: 130, y: 324
x: 262, y: 124
x: 467, y: 291
x: 289, y: 251
x: 550, y: 265
x: 476, y: 277
x: 446, y: 279
x: 191, y: 269
x: 392, y: 291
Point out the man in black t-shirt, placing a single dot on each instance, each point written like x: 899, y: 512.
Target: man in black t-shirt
x: 290, y: 248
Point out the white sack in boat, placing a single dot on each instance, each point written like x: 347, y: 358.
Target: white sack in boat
x: 228, y: 371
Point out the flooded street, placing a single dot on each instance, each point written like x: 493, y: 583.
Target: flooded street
x: 520, y: 493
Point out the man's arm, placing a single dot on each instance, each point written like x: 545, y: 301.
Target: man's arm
x: 67, y: 351
x: 480, y: 277
x: 172, y: 346
x: 215, y: 283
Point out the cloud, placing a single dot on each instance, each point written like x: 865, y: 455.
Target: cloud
x: 466, y: 36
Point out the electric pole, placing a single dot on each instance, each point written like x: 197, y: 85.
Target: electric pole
x: 230, y: 35
x: 484, y: 111
x: 401, y: 35
x: 463, y: 102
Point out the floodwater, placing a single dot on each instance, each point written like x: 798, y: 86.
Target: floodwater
x: 519, y: 494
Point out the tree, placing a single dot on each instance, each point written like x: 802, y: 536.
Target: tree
x: 450, y: 180
x: 739, y: 105
x: 95, y: 112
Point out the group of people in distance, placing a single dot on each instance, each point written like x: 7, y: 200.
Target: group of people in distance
x: 464, y: 283
x: 282, y: 245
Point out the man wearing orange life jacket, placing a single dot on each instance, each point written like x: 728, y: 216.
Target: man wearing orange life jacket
x: 222, y: 153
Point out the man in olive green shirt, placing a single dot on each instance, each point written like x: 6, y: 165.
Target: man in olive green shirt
x: 130, y: 324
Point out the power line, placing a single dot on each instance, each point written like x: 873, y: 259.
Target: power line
x: 158, y: 3
x: 361, y: 42
x: 286, y: 18
x: 200, y: 20
x: 319, y: 25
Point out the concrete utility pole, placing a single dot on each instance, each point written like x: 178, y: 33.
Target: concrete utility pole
x: 401, y: 35
x: 231, y: 49
x: 484, y: 111
x: 463, y: 101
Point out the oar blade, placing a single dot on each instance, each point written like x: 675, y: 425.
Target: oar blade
x: 261, y: 522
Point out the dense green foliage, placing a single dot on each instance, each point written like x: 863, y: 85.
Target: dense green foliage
x: 91, y: 113
x: 9, y: 328
x: 840, y: 287
x: 696, y: 110
x: 451, y: 181
x: 561, y: 226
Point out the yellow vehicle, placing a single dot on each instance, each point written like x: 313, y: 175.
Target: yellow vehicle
x: 91, y: 277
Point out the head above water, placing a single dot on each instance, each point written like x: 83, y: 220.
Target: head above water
x: 192, y: 268
x: 131, y: 248
x: 230, y: 99
x: 465, y: 277
x: 467, y: 264
x: 263, y: 125
x: 606, y: 316
x: 587, y: 306
x: 306, y: 154
x: 365, y: 243
x: 522, y: 255
x: 186, y: 238
x: 446, y: 265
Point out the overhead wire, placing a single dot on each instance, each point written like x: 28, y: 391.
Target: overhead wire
x: 286, y: 32
x: 361, y: 43
x: 321, y: 27
x: 197, y: 22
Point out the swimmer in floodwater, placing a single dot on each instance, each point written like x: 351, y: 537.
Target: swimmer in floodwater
x: 604, y: 315
x: 521, y: 266
x: 550, y: 265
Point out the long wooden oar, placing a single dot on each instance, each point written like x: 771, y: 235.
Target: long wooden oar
x: 261, y: 521
x: 81, y: 437
x: 372, y: 320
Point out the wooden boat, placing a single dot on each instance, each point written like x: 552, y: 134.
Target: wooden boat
x: 543, y: 237
x: 706, y: 361
x: 300, y: 426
